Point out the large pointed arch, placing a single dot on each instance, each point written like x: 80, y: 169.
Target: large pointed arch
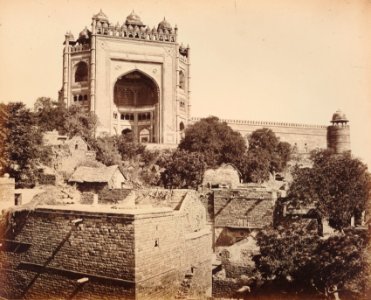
x: 137, y: 94
x: 135, y: 89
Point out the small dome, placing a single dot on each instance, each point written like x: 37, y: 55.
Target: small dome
x: 84, y: 34
x: 70, y: 36
x: 101, y: 16
x: 133, y: 19
x: 164, y: 25
x: 339, y: 116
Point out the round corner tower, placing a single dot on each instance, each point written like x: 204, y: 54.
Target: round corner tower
x: 339, y: 133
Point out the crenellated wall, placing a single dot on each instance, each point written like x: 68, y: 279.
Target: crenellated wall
x: 302, y: 137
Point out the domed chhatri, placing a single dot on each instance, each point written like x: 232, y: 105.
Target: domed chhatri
x: 133, y: 19
x: 164, y: 25
x: 340, y: 117
x: 69, y: 36
x: 101, y: 16
x: 84, y: 34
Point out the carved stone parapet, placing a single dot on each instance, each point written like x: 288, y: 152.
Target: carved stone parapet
x: 80, y: 48
x: 137, y: 32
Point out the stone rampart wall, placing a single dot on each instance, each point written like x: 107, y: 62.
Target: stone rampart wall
x: 301, y: 136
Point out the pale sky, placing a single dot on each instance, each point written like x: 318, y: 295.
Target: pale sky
x: 278, y: 60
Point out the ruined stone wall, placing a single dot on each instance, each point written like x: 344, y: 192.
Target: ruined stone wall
x: 7, y: 189
x: 165, y: 254
x: 145, y: 255
x: 44, y: 254
x: 198, y: 262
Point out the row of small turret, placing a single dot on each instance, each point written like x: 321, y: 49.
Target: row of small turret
x: 133, y: 27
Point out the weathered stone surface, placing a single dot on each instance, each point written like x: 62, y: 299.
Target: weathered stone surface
x: 143, y: 254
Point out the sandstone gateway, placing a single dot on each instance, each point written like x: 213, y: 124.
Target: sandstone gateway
x: 137, y: 79
x: 148, y: 244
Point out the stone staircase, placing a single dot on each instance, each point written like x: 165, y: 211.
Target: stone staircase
x: 184, y: 291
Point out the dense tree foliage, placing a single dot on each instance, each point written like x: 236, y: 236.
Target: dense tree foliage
x: 78, y: 121
x: 128, y: 148
x: 337, y: 184
x: 293, y: 261
x: 183, y: 169
x: 50, y: 115
x: 107, y: 151
x: 220, y: 144
x: 21, y: 148
x: 215, y: 140
x: 266, y: 155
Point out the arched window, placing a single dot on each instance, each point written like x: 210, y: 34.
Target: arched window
x: 181, y: 80
x: 80, y: 98
x: 135, y: 90
x: 144, y: 135
x: 126, y: 131
x: 181, y: 128
x: 85, y: 97
x: 81, y: 73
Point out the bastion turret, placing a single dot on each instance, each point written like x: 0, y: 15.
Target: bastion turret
x: 338, y: 135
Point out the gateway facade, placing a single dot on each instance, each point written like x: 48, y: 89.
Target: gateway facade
x: 135, y: 79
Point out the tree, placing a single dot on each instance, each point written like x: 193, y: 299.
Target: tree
x: 21, y: 144
x: 215, y: 140
x: 50, y: 115
x: 183, y: 170
x: 254, y: 166
x: 277, y: 153
x: 266, y: 155
x: 128, y: 148
x: 297, y: 262
x: 337, y: 184
x: 81, y: 122
x: 285, y: 259
x: 107, y: 151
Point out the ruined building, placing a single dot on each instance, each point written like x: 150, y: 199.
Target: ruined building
x: 137, y: 79
x: 153, y: 245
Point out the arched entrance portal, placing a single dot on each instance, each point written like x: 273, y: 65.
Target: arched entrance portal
x: 136, y: 97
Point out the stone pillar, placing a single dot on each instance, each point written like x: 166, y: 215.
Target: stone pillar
x: 188, y: 85
x: 92, y: 66
x: 65, y: 69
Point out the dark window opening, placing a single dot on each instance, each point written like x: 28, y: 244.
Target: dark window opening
x: 181, y: 80
x: 135, y: 90
x: 126, y: 131
x: 81, y: 73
